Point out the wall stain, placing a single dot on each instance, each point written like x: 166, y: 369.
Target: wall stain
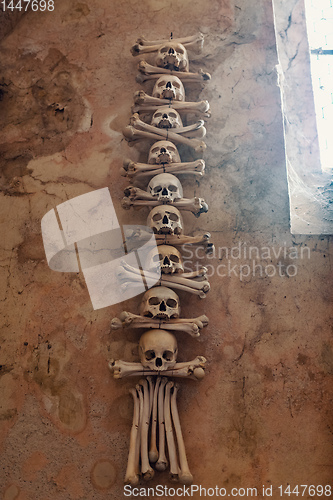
x: 41, y: 110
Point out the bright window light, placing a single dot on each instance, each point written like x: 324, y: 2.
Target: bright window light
x: 319, y: 19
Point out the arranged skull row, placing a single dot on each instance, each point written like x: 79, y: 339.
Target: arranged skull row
x: 156, y: 421
x: 171, y: 57
x: 190, y: 135
x: 195, y: 282
x: 160, y: 307
x: 166, y: 189
x: 163, y: 157
x: 158, y: 353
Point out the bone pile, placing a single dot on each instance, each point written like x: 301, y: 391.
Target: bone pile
x: 156, y: 439
x: 155, y: 402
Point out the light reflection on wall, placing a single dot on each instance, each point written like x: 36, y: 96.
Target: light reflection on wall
x: 319, y: 18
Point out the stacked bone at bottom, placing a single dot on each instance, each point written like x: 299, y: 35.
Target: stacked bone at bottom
x: 156, y: 415
x: 156, y: 440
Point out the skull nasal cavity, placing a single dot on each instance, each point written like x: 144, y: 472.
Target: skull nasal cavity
x: 158, y: 362
x: 165, y: 115
x: 171, y: 51
x: 165, y: 220
x: 162, y: 150
x: 162, y: 306
x: 165, y: 191
x: 168, y: 85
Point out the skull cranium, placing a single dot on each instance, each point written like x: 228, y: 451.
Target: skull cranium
x: 165, y: 188
x: 166, y: 258
x: 165, y: 219
x: 158, y: 350
x: 172, y: 56
x: 163, y: 152
x: 169, y: 87
x: 166, y: 117
x: 160, y: 303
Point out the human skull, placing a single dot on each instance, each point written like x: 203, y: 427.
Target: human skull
x: 165, y: 117
x: 160, y: 303
x: 158, y: 350
x: 172, y: 56
x: 163, y: 152
x: 165, y: 188
x: 169, y: 87
x: 166, y: 258
x: 165, y: 219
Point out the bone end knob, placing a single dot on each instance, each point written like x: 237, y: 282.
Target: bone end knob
x: 111, y: 365
x: 205, y: 76
x: 135, y: 49
x: 148, y: 476
x: 153, y: 456
x: 140, y: 78
x: 161, y: 466
x: 133, y: 481
x: 186, y: 478
x: 115, y: 324
x: 199, y: 373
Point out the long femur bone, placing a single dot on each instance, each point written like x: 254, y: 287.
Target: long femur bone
x: 185, y: 475
x: 194, y: 42
x: 132, y: 471
x: 192, y: 369
x: 138, y: 171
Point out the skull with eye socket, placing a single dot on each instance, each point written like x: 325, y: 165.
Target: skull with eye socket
x: 165, y: 219
x: 160, y: 303
x: 165, y: 188
x: 163, y: 152
x: 158, y: 350
x: 172, y: 56
x: 169, y: 87
x: 166, y: 117
x: 165, y: 258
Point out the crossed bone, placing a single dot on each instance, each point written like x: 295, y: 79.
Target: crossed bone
x: 155, y: 421
x: 192, y: 326
x: 136, y: 197
x: 195, y: 282
x: 180, y: 240
x: 150, y: 72
x: 141, y: 130
x: 143, y: 46
x: 139, y: 171
x: 193, y: 369
x: 174, y: 240
x: 149, y: 103
x: 195, y: 130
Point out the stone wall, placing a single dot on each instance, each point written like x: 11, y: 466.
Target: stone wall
x: 261, y: 416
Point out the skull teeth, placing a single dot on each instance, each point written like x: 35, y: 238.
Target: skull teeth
x: 164, y: 124
x: 168, y: 94
x: 166, y: 269
x: 164, y: 158
x: 165, y: 230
